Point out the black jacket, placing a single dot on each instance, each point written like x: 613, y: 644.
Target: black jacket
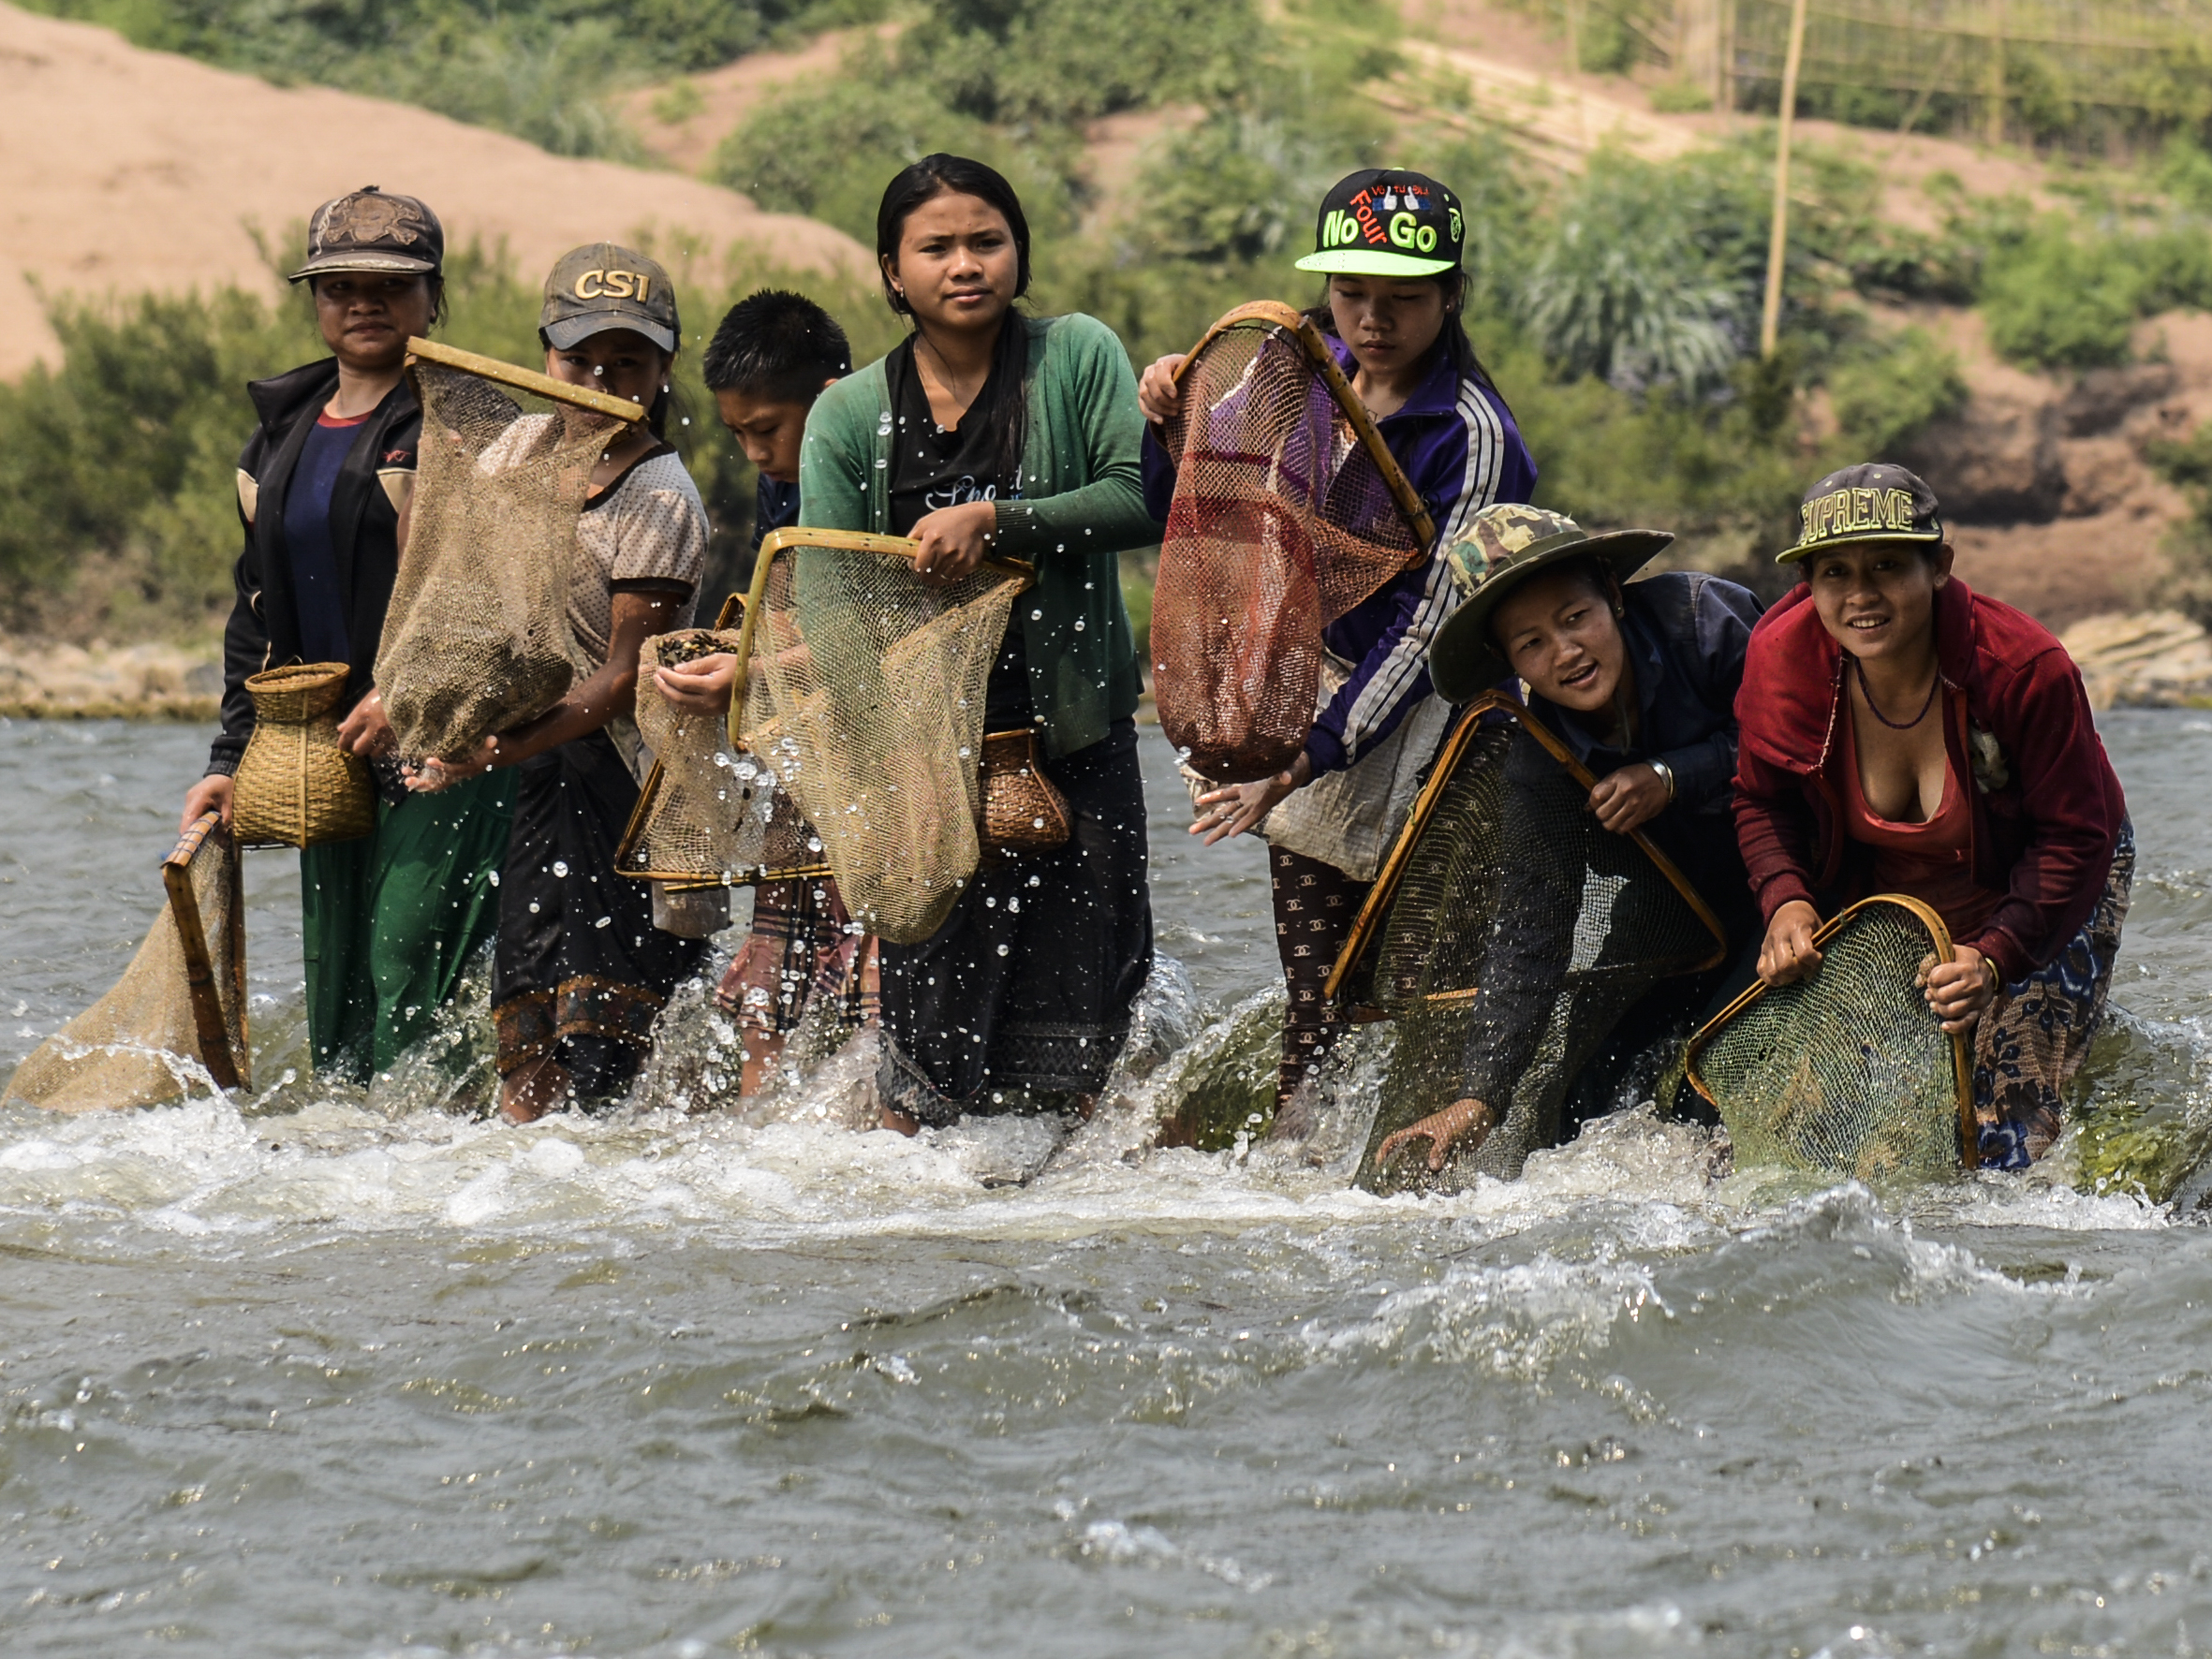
x: 264, y: 627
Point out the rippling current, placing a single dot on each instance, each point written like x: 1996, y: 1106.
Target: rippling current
x: 357, y: 1375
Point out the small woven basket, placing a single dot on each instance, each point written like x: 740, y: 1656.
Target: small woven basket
x: 296, y: 786
x: 1020, y: 809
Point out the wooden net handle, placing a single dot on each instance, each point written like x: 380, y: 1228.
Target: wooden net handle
x: 1962, y: 1064
x: 851, y: 541
x: 529, y: 380
x: 200, y: 972
x: 1274, y: 314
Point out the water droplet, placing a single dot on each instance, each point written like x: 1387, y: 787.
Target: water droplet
x: 1005, y: 949
x: 1079, y: 624
x: 560, y: 866
x: 1037, y: 616
x: 493, y: 876
x: 602, y: 921
x: 533, y: 907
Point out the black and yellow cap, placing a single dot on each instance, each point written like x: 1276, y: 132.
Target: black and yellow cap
x: 1872, y: 502
x: 1384, y: 222
x: 602, y: 287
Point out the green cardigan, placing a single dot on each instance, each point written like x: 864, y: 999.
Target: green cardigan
x: 1083, y: 503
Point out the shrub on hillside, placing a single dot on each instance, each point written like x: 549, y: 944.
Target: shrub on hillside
x: 1885, y: 393
x: 1054, y: 63
x: 827, y: 147
x: 2058, y: 302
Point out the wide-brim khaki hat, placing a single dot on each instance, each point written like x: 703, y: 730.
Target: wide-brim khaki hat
x: 1505, y: 546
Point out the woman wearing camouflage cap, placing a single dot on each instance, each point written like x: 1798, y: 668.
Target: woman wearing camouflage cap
x: 1903, y: 734
x: 389, y: 921
x: 1389, y: 243
x: 1639, y: 680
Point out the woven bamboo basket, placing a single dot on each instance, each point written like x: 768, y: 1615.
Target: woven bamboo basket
x: 296, y: 786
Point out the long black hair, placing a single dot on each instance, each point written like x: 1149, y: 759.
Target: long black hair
x: 1452, y: 341
x: 1007, y: 419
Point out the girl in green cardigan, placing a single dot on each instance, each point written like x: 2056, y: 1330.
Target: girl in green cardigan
x: 988, y: 431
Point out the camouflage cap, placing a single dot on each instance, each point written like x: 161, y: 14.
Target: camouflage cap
x: 368, y: 231
x: 1505, y: 544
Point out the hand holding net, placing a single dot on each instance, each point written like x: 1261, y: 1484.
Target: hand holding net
x: 710, y: 815
x: 177, y: 1017
x: 1506, y: 908
x: 862, y: 688
x: 1847, y: 1070
x: 1288, y: 511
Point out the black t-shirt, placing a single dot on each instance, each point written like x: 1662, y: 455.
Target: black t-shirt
x: 934, y: 466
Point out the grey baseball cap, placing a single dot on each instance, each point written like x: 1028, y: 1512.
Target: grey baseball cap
x: 368, y: 231
x: 602, y: 287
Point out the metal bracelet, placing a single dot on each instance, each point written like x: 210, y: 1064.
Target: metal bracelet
x: 1666, y: 774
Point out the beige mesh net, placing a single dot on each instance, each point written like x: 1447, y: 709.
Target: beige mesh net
x: 709, y: 814
x: 175, y: 1021
x: 1287, y: 512
x: 1848, y: 1070
x: 1506, y: 905
x: 477, y: 636
x: 863, y: 693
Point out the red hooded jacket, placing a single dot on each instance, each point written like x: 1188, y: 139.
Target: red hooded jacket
x: 2047, y: 806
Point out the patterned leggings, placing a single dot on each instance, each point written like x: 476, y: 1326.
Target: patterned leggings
x: 1315, y: 905
x: 2036, y: 1034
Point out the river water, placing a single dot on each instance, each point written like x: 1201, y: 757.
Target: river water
x: 368, y: 1375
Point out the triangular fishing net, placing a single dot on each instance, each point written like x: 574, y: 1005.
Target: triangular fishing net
x: 1288, y: 511
x: 1503, y: 879
x: 862, y: 692
x: 476, y: 638
x: 175, y: 1021
x: 709, y: 814
x: 1848, y: 1070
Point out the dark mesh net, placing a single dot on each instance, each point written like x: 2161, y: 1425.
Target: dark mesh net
x: 1506, y: 936
x: 863, y: 695
x: 175, y: 1023
x: 1848, y: 1070
x: 477, y: 636
x: 1287, y: 513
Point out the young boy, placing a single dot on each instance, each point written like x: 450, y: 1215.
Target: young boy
x: 769, y: 361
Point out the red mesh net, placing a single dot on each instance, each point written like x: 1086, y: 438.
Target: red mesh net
x: 1286, y: 515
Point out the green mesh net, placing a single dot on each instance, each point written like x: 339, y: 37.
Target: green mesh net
x: 1847, y: 1070
x: 1507, y: 907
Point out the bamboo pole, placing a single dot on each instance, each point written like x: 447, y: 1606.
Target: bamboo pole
x: 1996, y: 134
x: 1770, y: 317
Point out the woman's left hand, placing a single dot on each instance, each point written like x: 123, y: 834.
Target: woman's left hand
x: 1628, y: 799
x: 1960, y: 991
x: 954, y: 540
x: 1234, y: 809
x: 433, y: 775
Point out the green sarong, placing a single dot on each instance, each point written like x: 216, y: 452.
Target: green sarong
x: 390, y: 921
